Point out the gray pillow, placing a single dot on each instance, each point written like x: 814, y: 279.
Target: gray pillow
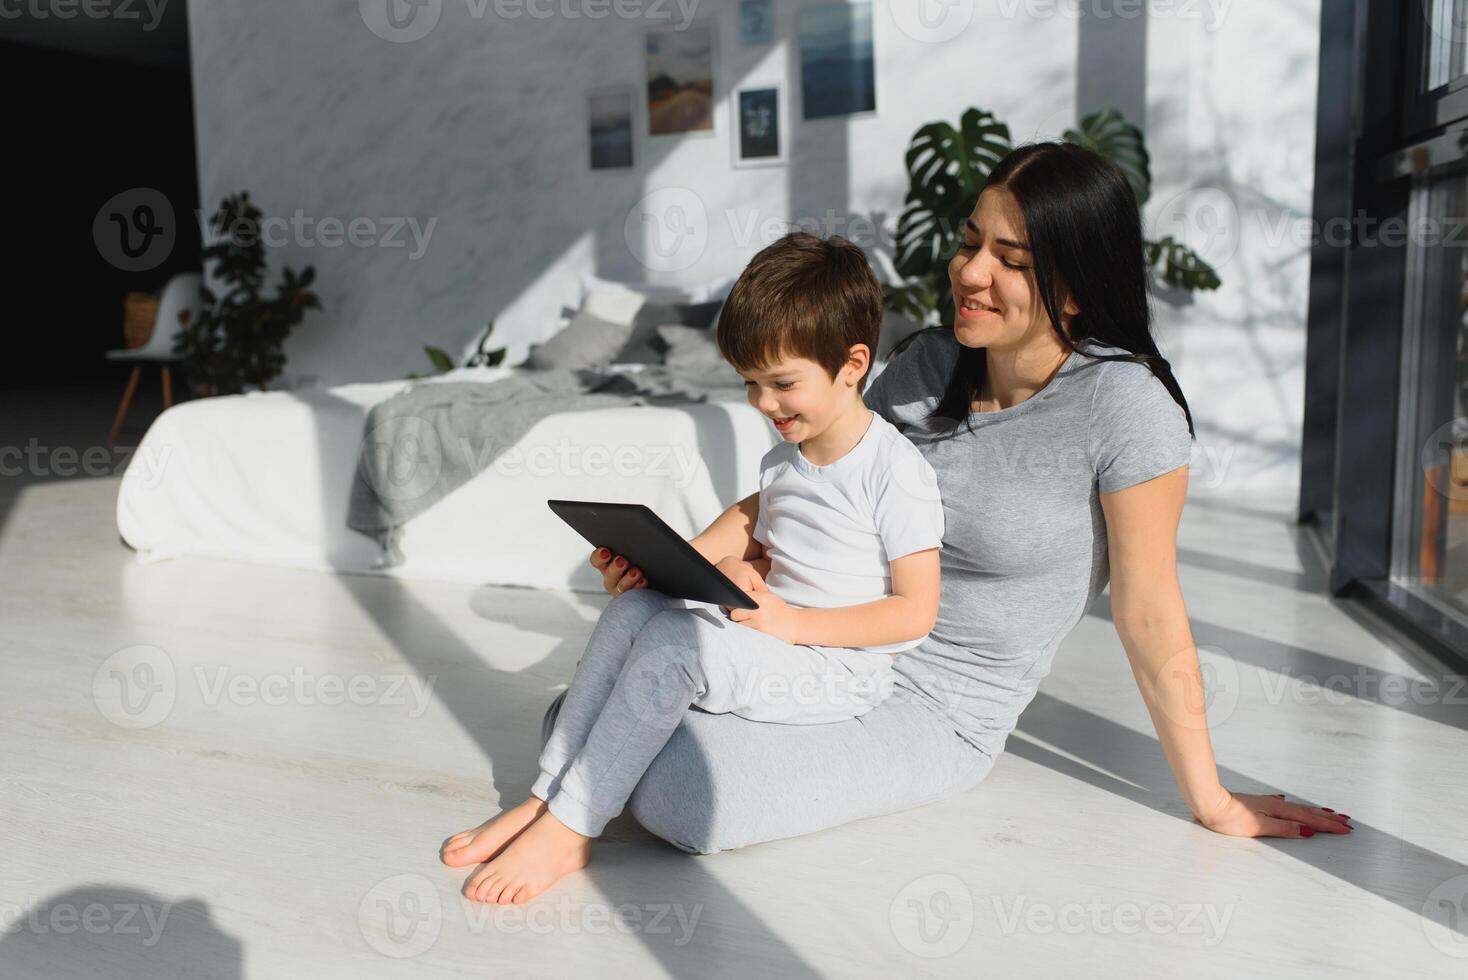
x: 689, y: 347
x: 587, y: 341
x: 645, y: 346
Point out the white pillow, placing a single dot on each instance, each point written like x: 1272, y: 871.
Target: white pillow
x: 613, y: 305
x: 668, y: 294
x: 689, y: 347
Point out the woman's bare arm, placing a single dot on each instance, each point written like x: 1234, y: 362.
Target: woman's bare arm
x: 1152, y: 622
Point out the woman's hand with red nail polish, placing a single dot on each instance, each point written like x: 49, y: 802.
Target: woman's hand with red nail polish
x: 1251, y: 815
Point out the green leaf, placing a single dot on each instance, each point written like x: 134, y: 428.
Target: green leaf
x: 946, y: 169
x: 440, y: 359
x: 1180, y: 267
x: 1109, y: 134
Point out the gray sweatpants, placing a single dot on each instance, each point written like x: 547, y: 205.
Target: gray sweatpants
x: 650, y: 658
x: 719, y: 779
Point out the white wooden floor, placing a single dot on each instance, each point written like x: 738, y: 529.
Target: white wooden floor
x: 215, y: 770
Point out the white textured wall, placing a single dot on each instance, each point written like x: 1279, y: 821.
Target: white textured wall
x: 479, y: 127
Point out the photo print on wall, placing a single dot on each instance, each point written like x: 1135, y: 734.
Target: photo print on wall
x: 837, y: 60
x: 680, y: 81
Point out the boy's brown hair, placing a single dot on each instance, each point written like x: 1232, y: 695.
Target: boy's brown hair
x: 802, y: 296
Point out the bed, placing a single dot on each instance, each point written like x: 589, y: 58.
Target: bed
x: 275, y: 477
x: 265, y: 477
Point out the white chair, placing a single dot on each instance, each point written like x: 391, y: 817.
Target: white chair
x: 181, y: 297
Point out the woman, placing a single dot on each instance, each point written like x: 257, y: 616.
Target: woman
x: 1060, y: 440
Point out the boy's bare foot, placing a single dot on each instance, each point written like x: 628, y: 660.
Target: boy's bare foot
x: 532, y: 863
x: 481, y: 843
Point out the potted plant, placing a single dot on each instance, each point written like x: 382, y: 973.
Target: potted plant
x: 947, y: 167
x: 238, y: 338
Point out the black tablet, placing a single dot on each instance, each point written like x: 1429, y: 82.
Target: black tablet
x: 671, y: 565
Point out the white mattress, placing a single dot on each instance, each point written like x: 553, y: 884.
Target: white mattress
x: 264, y: 477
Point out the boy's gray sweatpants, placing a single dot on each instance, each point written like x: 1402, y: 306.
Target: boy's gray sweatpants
x: 650, y: 658
x: 725, y: 776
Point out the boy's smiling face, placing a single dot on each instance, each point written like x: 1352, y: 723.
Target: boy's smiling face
x: 799, y: 397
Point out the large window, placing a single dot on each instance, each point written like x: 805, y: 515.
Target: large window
x: 1430, y: 529
x: 1445, y: 29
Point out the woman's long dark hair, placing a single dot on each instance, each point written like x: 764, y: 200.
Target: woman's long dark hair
x: 1085, y: 237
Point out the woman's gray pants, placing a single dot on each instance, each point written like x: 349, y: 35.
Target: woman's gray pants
x: 723, y: 781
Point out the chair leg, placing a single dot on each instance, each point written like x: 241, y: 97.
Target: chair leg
x: 127, y: 397
x: 167, y: 390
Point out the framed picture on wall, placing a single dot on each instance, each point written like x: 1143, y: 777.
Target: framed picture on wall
x: 758, y: 123
x: 680, y: 81
x: 756, y: 23
x: 838, y: 65
x: 610, y: 128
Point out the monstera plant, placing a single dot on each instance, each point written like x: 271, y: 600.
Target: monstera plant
x: 947, y: 167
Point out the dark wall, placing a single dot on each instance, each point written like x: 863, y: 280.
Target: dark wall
x: 80, y: 130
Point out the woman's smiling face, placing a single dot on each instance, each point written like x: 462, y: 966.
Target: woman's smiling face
x: 994, y: 297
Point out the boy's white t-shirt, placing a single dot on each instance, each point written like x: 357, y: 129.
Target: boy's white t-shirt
x: 831, y: 531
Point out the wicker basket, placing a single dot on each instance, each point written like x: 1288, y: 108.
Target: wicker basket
x: 140, y: 310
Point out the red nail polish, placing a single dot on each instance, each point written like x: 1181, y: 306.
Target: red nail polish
x: 621, y: 563
x: 604, y: 554
x: 1306, y: 831
x: 1343, y: 816
x: 1327, y: 809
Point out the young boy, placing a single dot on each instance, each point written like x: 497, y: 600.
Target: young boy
x: 843, y: 561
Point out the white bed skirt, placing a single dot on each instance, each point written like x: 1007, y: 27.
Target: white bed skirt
x: 265, y: 477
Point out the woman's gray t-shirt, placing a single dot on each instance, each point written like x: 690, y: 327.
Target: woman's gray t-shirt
x: 1024, y: 550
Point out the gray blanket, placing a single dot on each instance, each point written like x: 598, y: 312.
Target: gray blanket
x: 422, y: 444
